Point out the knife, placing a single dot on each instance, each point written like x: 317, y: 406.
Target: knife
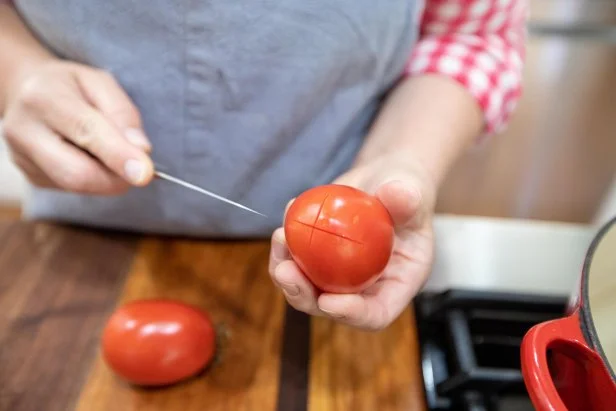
x: 193, y: 187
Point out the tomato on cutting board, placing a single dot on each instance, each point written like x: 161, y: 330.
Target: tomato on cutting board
x: 340, y: 237
x: 158, y: 342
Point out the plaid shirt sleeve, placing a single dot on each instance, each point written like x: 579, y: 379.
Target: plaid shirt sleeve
x: 481, y: 45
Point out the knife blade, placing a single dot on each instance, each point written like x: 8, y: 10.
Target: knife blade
x: 201, y: 190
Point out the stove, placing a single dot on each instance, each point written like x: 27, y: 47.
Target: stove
x: 493, y: 279
x: 470, y: 346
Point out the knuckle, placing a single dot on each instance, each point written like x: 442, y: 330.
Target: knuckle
x: 85, y: 131
x: 297, y: 305
x: 33, y: 95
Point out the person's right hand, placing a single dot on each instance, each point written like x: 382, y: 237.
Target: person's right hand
x: 72, y: 127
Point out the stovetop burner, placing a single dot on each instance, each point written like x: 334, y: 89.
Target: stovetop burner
x: 470, y: 347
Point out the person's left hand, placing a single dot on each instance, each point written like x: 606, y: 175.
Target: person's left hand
x: 408, y: 192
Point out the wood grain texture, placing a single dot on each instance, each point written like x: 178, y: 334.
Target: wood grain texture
x: 10, y: 213
x: 56, y: 287
x: 363, y: 371
x: 230, y: 282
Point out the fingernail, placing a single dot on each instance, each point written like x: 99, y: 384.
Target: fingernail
x: 137, y: 137
x: 291, y: 290
x: 135, y: 171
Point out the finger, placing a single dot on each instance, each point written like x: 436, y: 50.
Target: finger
x: 354, y: 310
x: 278, y: 250
x: 32, y: 172
x: 66, y: 166
x: 103, y: 91
x: 379, y: 305
x: 362, y: 311
x: 89, y: 130
x: 298, y: 291
x: 402, y: 200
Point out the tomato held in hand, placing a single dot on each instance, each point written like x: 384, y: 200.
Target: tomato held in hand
x: 340, y: 237
x: 158, y: 342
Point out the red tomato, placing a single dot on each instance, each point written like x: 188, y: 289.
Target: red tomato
x: 340, y: 237
x: 158, y: 342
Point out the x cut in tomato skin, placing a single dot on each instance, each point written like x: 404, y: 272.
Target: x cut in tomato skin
x: 340, y: 237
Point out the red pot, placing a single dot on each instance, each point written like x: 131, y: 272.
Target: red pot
x: 568, y: 364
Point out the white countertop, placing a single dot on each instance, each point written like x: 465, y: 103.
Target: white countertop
x: 508, y: 255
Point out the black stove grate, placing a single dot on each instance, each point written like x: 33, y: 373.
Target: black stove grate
x: 470, y: 347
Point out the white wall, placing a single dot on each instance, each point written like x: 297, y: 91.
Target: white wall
x: 12, y: 182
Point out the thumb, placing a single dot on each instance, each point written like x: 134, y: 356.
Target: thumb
x: 403, y: 201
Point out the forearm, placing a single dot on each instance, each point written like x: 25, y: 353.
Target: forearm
x: 19, y: 51
x: 429, y: 119
x: 463, y: 81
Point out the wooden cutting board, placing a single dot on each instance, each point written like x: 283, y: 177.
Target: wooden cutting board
x: 58, y: 285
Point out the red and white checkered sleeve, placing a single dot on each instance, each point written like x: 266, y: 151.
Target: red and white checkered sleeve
x: 480, y: 44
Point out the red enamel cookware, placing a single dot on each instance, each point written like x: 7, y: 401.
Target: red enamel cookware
x: 568, y: 363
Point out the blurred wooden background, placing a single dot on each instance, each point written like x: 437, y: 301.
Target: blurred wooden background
x: 557, y: 160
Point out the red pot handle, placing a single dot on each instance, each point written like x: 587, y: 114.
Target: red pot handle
x: 535, y: 369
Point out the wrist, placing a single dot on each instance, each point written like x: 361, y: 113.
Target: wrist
x: 403, y: 165
x: 406, y: 159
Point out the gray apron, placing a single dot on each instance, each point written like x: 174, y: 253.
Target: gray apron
x: 255, y: 100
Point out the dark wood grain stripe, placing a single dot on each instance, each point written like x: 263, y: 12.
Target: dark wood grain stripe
x: 293, y: 391
x: 57, y: 286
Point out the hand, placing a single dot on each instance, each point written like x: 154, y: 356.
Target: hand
x: 72, y: 127
x: 407, y: 191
